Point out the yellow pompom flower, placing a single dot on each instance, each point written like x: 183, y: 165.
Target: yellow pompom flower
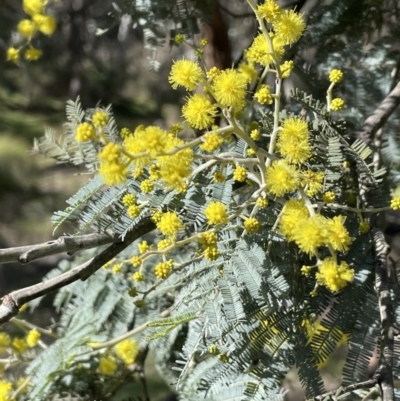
x: 163, y: 269
x: 240, y: 174
x: 26, y: 28
x: 129, y: 200
x: 112, y: 170
x: 5, y: 390
x: 107, y: 366
x: 281, y: 178
x: 46, y: 24
x: 85, y: 132
x: 294, y: 212
x: 212, y: 73
x: 19, y: 345
x: 13, y: 54
x: 164, y: 243
x: 113, y: 173
x: 289, y: 26
x: 32, y: 338
x: 329, y: 197
x: 32, y: 54
x: 219, y: 177
x: 179, y: 38
x: 334, y: 277
x: 99, y: 118
x: 117, y: 268
x: 133, y: 211
x: 125, y: 132
x: 136, y: 261
x: 252, y: 225
x: 337, y: 104
x: 144, y: 247
x: 339, y: 238
x: 33, y: 7
x: 248, y: 71
x: 137, y: 276
x: 230, y: 89
x: 146, y: 186
x: 174, y: 169
x: 216, y: 213
x: 286, y: 68
x: 269, y: 10
x: 127, y: 351
x: 208, y: 239
x: 212, y: 141
x: 263, y: 95
x: 364, y: 227
x: 169, y: 224
x: 199, y: 112
x: 185, y: 73
x: 262, y: 203
x: 395, y: 203
x: 255, y: 134
x: 311, y: 233
x: 293, y: 141
x: 260, y: 52
x: 336, y: 76
x: 312, y: 180
x: 211, y: 253
x: 5, y: 341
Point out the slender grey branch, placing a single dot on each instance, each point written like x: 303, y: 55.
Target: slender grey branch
x: 379, y: 117
x: 343, y: 390
x: 386, y: 315
x: 13, y: 301
x: 69, y: 244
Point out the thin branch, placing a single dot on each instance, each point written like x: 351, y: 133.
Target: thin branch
x: 386, y: 314
x: 343, y: 390
x: 13, y: 301
x: 379, y: 117
x: 69, y: 244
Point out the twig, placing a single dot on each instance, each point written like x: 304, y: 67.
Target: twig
x: 13, y: 301
x: 379, y: 117
x: 386, y: 315
x: 69, y: 244
x: 352, y: 387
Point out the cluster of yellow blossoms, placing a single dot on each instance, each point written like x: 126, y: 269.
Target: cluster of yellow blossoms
x: 126, y: 350
x: 38, y: 21
x: 159, y: 159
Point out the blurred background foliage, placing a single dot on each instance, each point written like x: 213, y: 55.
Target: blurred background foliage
x: 128, y: 64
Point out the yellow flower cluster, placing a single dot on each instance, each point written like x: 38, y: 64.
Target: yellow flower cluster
x: 150, y: 144
x: 127, y: 351
x: 107, y: 366
x: 334, y: 276
x: 163, y: 269
x: 252, y: 225
x: 208, y: 241
x: 240, y: 174
x: 216, y: 213
x: 169, y: 224
x: 337, y: 104
x: 85, y: 132
x: 99, y: 118
x: 136, y: 261
x: 5, y: 389
x: 32, y: 338
x: 212, y: 141
x: 281, y: 178
x: 395, y: 203
x: 263, y: 95
x: 293, y: 142
x: 312, y: 232
x: 199, y: 112
x: 144, y: 247
x: 29, y: 27
x: 336, y: 76
x: 112, y: 168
